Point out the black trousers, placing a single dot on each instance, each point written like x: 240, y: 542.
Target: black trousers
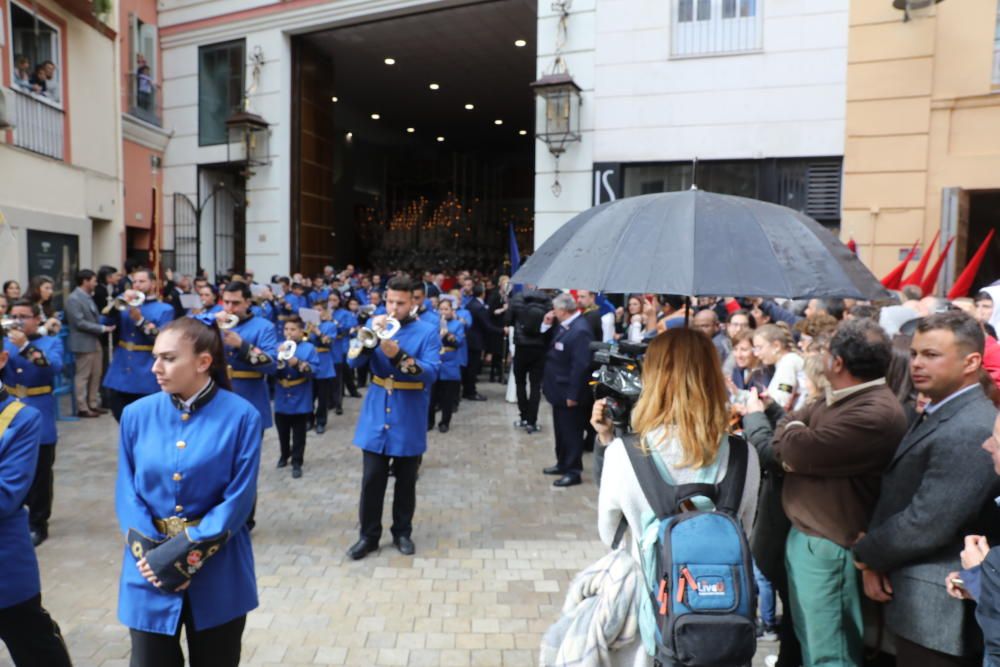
x: 471, y: 372
x: 444, y: 396
x: 337, y: 387
x: 120, y: 400
x: 909, y: 653
x: 569, y: 424
x: 32, y: 637
x: 496, y: 362
x: 529, y: 365
x: 346, y: 374
x: 374, y: 478
x: 211, y: 647
x: 39, y: 498
x: 322, y: 391
x: 292, y: 435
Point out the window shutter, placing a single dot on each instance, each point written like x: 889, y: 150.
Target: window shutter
x: 823, y: 190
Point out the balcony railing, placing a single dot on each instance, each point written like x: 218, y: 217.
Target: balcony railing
x: 143, y: 99
x: 38, y: 125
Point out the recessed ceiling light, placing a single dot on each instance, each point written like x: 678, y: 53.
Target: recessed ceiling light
x: 522, y: 132
x: 411, y: 130
x: 520, y: 43
x: 390, y: 61
x: 498, y: 122
x: 433, y: 86
x: 440, y: 138
x: 349, y: 136
x: 470, y: 107
x: 334, y: 99
x: 375, y: 116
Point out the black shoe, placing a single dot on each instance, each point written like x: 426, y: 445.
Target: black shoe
x: 443, y: 428
x: 473, y: 397
x: 309, y: 427
x: 282, y: 462
x: 405, y: 545
x: 296, y: 471
x: 430, y: 427
x: 567, y: 480
x: 532, y: 428
x: 520, y: 423
x: 320, y: 429
x: 355, y: 395
x: 553, y: 470
x: 362, y: 548
x: 39, y: 536
x: 338, y: 411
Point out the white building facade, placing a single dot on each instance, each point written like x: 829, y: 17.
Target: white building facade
x: 752, y: 89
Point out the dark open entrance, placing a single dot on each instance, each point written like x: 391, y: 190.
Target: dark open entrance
x: 391, y: 168
x: 984, y: 215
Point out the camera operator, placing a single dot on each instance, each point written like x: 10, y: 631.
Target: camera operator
x: 525, y: 316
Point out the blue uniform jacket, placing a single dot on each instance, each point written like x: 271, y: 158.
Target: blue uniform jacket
x: 430, y: 316
x: 19, y: 579
x: 292, y: 304
x: 293, y: 394
x: 131, y: 368
x: 319, y: 296
x: 451, y: 367
x: 324, y: 343
x: 567, y: 364
x: 31, y: 375
x: 396, y: 424
x: 465, y: 317
x: 346, y: 320
x: 202, y: 467
x: 254, y: 360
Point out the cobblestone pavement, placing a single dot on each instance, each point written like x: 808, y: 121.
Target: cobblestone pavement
x: 496, y: 547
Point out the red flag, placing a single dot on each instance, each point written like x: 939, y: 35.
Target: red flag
x: 852, y: 246
x: 927, y: 286
x: 894, y: 279
x: 918, y: 273
x: 964, y: 282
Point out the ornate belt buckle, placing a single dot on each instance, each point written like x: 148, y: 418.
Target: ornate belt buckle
x: 174, y: 526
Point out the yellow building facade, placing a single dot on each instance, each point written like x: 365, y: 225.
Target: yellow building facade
x: 922, y: 150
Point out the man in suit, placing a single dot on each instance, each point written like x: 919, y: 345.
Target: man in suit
x: 938, y: 488
x: 478, y: 333
x: 567, y: 368
x: 85, y: 331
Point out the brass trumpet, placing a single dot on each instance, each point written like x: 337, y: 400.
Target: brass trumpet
x: 122, y: 302
x: 9, y: 324
x: 227, y: 321
x: 286, y: 350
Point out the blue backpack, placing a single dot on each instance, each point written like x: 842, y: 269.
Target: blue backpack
x: 704, y: 595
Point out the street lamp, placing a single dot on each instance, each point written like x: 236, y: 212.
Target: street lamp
x: 561, y: 96
x: 248, y: 138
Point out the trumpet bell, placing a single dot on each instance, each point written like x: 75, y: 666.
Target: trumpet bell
x: 10, y: 324
x: 286, y: 350
x: 367, y: 337
x: 228, y: 320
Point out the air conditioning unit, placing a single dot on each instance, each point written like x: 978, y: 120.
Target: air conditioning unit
x: 915, y: 9
x: 6, y: 108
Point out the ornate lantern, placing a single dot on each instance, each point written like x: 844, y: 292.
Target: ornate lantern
x: 248, y: 137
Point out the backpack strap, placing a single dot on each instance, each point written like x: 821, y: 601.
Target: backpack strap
x: 730, y: 491
x: 662, y: 497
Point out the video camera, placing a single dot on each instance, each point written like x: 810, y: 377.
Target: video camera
x: 619, y: 379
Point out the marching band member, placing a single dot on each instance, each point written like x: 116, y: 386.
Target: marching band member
x: 129, y: 375
x: 323, y: 339
x: 187, y: 478
x: 35, y: 362
x: 209, y: 305
x: 340, y: 329
x: 425, y: 309
x: 31, y: 636
x: 293, y: 397
x: 444, y: 395
x: 351, y: 318
x: 391, y: 427
x: 251, y: 348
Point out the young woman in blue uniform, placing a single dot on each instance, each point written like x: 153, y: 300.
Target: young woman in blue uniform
x: 129, y: 375
x: 293, y: 396
x: 35, y: 362
x: 392, y: 427
x: 444, y: 395
x: 323, y: 339
x: 31, y: 636
x: 187, y: 478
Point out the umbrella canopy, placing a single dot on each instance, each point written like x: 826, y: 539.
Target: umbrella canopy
x: 699, y: 244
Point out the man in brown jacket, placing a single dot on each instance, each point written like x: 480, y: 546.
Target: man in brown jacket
x: 833, y: 452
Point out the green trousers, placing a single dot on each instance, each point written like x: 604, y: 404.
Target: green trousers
x: 825, y: 597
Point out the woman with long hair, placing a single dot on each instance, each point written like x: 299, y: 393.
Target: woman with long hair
x: 187, y: 479
x: 632, y: 323
x: 12, y: 290
x: 40, y: 290
x: 681, y: 419
x: 774, y: 346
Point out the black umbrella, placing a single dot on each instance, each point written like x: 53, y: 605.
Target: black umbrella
x: 699, y: 244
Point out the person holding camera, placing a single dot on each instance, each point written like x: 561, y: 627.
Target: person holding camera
x: 566, y: 386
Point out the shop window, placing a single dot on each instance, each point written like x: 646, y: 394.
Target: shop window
x: 36, y: 56
x: 220, y: 89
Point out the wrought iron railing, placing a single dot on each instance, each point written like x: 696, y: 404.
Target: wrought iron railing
x: 39, y: 124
